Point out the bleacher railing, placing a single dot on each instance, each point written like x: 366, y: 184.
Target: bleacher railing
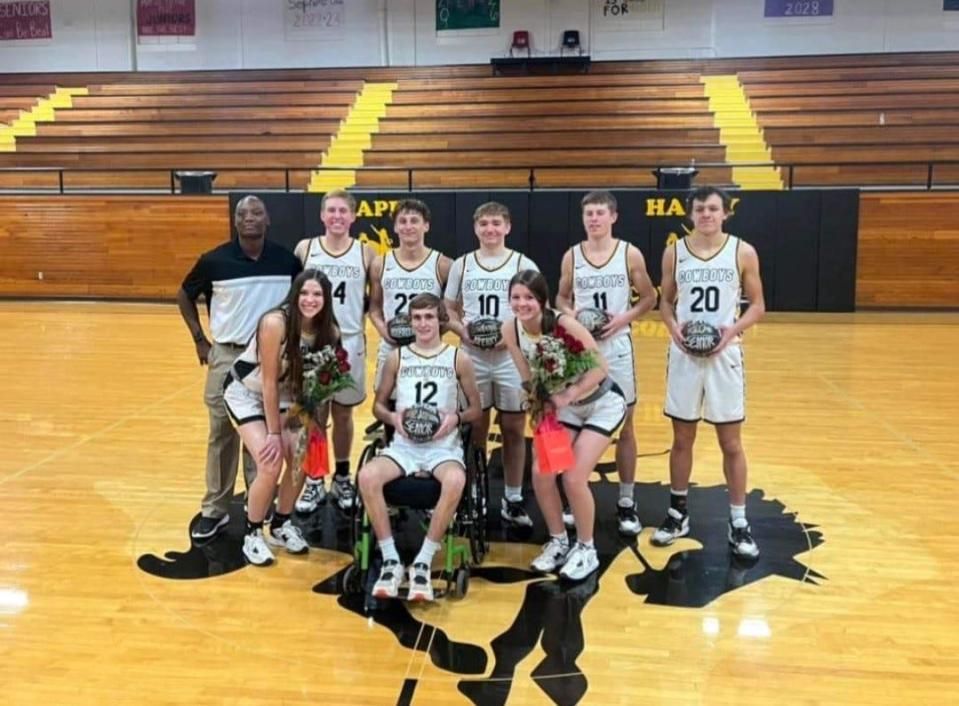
x: 928, y: 168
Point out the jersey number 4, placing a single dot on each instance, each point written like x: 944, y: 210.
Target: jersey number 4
x: 340, y: 293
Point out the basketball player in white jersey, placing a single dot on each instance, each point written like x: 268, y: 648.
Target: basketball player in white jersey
x: 704, y: 275
x: 601, y: 273
x: 404, y: 272
x: 478, y: 288
x: 431, y: 372
x: 346, y: 262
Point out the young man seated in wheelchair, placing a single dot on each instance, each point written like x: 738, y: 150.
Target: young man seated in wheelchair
x: 427, y: 376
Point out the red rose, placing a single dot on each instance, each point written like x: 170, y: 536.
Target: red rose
x: 577, y: 347
x: 550, y: 365
x: 559, y: 331
x: 344, y: 367
x: 341, y: 354
x: 325, y: 378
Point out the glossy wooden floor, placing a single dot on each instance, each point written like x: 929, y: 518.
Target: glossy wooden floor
x: 851, y: 425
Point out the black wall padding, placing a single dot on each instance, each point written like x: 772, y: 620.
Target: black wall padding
x: 806, y: 240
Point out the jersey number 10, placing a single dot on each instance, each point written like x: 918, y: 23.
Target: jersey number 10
x: 489, y: 305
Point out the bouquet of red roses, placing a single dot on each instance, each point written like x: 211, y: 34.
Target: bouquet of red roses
x: 325, y: 372
x: 558, y: 361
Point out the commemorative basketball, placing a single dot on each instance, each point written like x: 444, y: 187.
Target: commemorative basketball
x: 420, y: 422
x: 701, y: 338
x: 485, y: 332
x: 593, y: 320
x: 400, y: 329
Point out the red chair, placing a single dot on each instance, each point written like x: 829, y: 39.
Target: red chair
x: 520, y: 41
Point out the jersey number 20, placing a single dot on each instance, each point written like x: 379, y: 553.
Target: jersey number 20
x: 705, y: 299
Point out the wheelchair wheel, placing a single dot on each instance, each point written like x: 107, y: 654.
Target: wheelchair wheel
x: 476, y: 508
x: 352, y: 580
x: 461, y: 582
x: 371, y: 450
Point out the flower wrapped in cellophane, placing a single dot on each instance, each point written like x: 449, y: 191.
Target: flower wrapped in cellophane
x: 558, y: 361
x: 325, y: 373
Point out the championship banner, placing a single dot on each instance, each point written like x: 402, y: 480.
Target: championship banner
x: 467, y: 14
x: 612, y: 15
x: 166, y: 18
x: 28, y: 19
x: 313, y: 18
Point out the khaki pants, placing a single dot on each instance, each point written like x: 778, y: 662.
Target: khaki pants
x: 223, y: 444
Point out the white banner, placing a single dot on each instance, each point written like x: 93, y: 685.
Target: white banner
x: 612, y: 15
x: 307, y: 19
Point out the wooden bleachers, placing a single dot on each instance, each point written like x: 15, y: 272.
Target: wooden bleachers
x: 860, y: 126
x: 130, y: 136
x: 847, y: 120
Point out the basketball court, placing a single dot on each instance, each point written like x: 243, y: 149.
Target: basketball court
x: 852, y: 449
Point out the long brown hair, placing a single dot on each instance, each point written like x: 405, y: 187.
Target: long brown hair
x: 325, y: 326
x: 536, y: 283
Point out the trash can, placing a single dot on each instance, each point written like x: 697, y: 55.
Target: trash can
x: 675, y: 177
x: 195, y: 182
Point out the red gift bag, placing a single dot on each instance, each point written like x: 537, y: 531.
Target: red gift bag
x: 316, y: 463
x: 554, y: 450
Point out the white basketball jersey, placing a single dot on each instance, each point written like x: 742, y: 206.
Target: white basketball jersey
x: 485, y: 292
x: 400, y: 285
x: 428, y: 380
x: 605, y: 286
x: 708, y: 290
x: 347, y: 274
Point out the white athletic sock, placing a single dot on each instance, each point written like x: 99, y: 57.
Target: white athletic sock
x: 563, y: 537
x: 513, y: 494
x: 427, y: 551
x: 737, y: 515
x: 626, y: 494
x: 588, y: 545
x: 388, y: 550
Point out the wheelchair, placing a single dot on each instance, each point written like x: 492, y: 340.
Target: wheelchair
x: 465, y: 543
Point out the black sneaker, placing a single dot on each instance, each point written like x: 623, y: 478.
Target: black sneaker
x: 515, y: 513
x: 741, y: 540
x: 675, y: 525
x: 342, y: 490
x: 209, y: 526
x: 628, y: 520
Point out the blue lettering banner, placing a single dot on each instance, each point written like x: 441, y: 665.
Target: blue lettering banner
x: 798, y: 8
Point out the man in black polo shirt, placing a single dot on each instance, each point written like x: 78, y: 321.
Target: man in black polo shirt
x: 241, y: 280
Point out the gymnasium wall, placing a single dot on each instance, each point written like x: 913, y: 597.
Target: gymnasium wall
x: 96, y: 35
x: 139, y: 247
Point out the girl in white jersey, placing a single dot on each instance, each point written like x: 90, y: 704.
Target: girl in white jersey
x: 592, y: 408
x: 704, y: 275
x: 263, y: 383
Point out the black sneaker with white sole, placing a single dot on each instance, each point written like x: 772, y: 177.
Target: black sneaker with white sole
x: 675, y: 525
x: 206, y: 527
x: 627, y: 519
x: 741, y: 540
x: 514, y: 512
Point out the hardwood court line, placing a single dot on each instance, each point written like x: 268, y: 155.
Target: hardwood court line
x: 949, y: 468
x: 96, y: 434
